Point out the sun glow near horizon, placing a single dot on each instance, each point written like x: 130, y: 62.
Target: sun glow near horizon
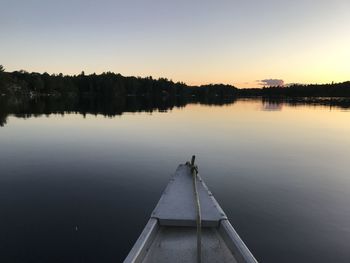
x: 230, y: 42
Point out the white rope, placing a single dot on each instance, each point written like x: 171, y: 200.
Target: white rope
x: 194, y: 171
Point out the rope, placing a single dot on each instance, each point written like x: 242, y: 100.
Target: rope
x: 194, y: 171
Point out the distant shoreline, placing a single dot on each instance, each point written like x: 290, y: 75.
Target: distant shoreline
x: 110, y: 85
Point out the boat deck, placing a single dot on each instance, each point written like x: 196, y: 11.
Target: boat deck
x: 178, y: 244
x: 171, y: 233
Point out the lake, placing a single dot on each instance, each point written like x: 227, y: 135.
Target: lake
x: 80, y: 187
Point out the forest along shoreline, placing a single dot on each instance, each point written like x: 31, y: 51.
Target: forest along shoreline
x: 24, y: 94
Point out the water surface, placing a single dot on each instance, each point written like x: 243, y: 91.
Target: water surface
x: 80, y: 188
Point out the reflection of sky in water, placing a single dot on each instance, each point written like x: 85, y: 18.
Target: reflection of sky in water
x: 281, y: 176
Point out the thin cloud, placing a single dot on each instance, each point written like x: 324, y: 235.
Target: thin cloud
x: 271, y: 82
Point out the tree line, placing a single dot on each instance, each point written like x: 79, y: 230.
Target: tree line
x: 106, y: 85
x: 110, y: 85
x: 300, y: 90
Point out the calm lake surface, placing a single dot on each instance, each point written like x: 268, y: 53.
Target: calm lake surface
x: 81, y: 189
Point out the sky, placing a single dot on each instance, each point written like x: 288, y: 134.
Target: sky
x: 246, y: 43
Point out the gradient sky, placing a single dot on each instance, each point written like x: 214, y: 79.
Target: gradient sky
x: 198, y: 42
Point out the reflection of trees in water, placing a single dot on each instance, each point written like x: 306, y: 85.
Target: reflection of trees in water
x: 3, y: 118
x: 277, y: 103
x: 4, y: 111
x: 25, y: 107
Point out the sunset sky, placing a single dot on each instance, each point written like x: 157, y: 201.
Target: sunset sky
x: 198, y: 42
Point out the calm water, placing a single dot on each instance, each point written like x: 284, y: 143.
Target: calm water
x: 80, y: 189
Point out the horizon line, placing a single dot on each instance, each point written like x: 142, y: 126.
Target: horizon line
x: 169, y: 79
